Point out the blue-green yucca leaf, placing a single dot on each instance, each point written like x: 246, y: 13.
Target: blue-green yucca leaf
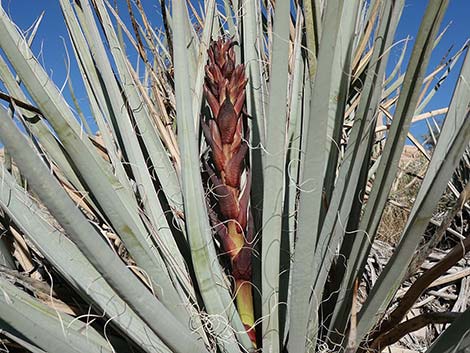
x: 453, y: 140
x: 273, y: 169
x: 152, y: 207
x: 297, y: 97
x: 231, y: 28
x: 451, y: 148
x: 117, y: 202
x: 313, y: 27
x: 326, y: 111
x: 6, y: 259
x: 14, y: 337
x: 251, y: 36
x: 202, y: 59
x: 389, y: 160
x: 47, y: 328
x: 302, y: 123
x: 76, y: 104
x: 95, y: 91
x: 399, y: 63
x: 338, y: 97
x: 192, y: 40
x: 251, y: 53
x: 176, y: 336
x: 39, y: 128
x: 66, y: 258
x: 356, y: 158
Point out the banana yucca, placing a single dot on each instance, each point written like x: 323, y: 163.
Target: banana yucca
x: 282, y: 192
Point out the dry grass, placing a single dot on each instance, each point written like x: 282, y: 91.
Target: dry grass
x: 402, y: 196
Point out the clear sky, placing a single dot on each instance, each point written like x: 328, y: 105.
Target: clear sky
x: 49, y: 40
x: 457, y: 16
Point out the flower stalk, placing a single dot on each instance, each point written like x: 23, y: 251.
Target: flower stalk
x: 226, y: 134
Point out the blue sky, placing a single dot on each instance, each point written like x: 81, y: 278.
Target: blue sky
x: 49, y: 38
x: 458, y: 32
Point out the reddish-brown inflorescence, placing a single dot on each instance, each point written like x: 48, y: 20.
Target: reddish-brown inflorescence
x: 226, y: 135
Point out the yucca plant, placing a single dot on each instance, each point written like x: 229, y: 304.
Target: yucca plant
x: 229, y: 195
